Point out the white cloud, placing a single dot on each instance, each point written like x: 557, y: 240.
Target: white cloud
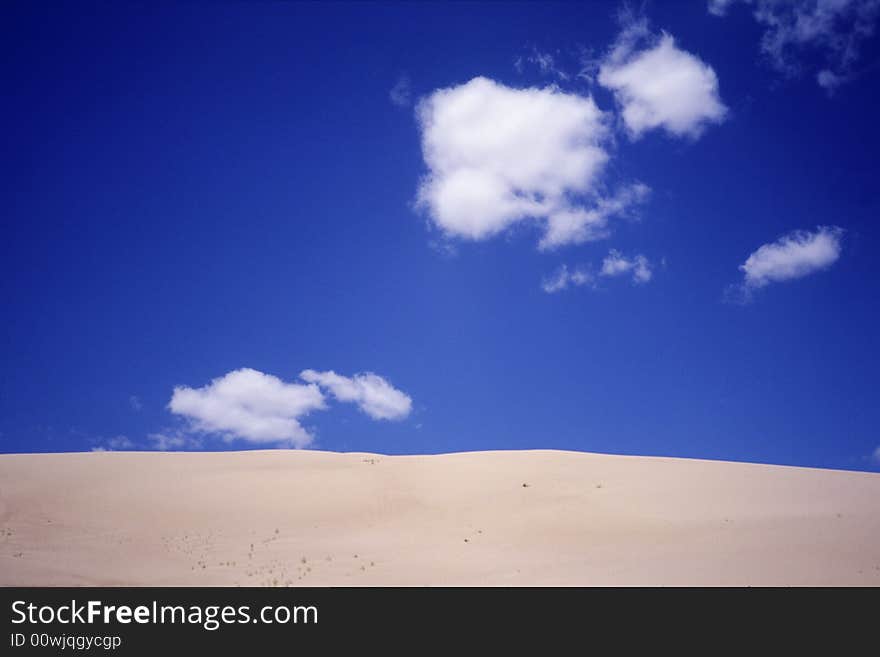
x: 167, y: 441
x: 135, y: 402
x: 829, y: 80
x: 660, y: 85
x: 260, y: 408
x: 401, y: 92
x: 563, y: 278
x: 876, y: 455
x: 719, y: 7
x: 578, y: 225
x: 249, y: 405
x: 796, y: 31
x: 545, y: 63
x: 498, y: 156
x: 120, y: 442
x: 616, y: 264
x: 114, y: 444
x: 794, y: 255
x: 373, y: 394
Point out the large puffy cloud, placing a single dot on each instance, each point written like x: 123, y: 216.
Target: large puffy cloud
x: 497, y: 156
x: 260, y: 408
x: 660, y: 85
x: 373, y: 394
x: 250, y: 405
x: 835, y: 29
x: 794, y: 255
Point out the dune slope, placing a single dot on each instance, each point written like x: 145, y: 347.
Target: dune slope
x: 306, y: 518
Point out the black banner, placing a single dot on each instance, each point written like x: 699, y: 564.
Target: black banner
x: 132, y: 621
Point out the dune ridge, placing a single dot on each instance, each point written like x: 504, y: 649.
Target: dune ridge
x: 510, y: 518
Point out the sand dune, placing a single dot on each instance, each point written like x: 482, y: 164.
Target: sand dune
x: 306, y: 518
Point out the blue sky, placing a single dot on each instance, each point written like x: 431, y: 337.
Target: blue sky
x: 538, y: 225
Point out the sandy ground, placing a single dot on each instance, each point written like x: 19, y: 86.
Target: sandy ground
x: 305, y: 518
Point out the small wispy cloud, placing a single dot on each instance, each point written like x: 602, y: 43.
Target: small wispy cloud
x: 545, y: 62
x: 719, y: 7
x: 616, y: 264
x: 114, y: 444
x: 135, y: 402
x: 443, y: 247
x: 173, y: 440
x: 794, y: 255
x: 829, y: 80
x: 577, y: 225
x: 401, y: 93
x: 797, y: 34
x: 562, y: 278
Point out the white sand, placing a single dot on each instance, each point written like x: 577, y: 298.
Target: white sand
x: 320, y: 518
